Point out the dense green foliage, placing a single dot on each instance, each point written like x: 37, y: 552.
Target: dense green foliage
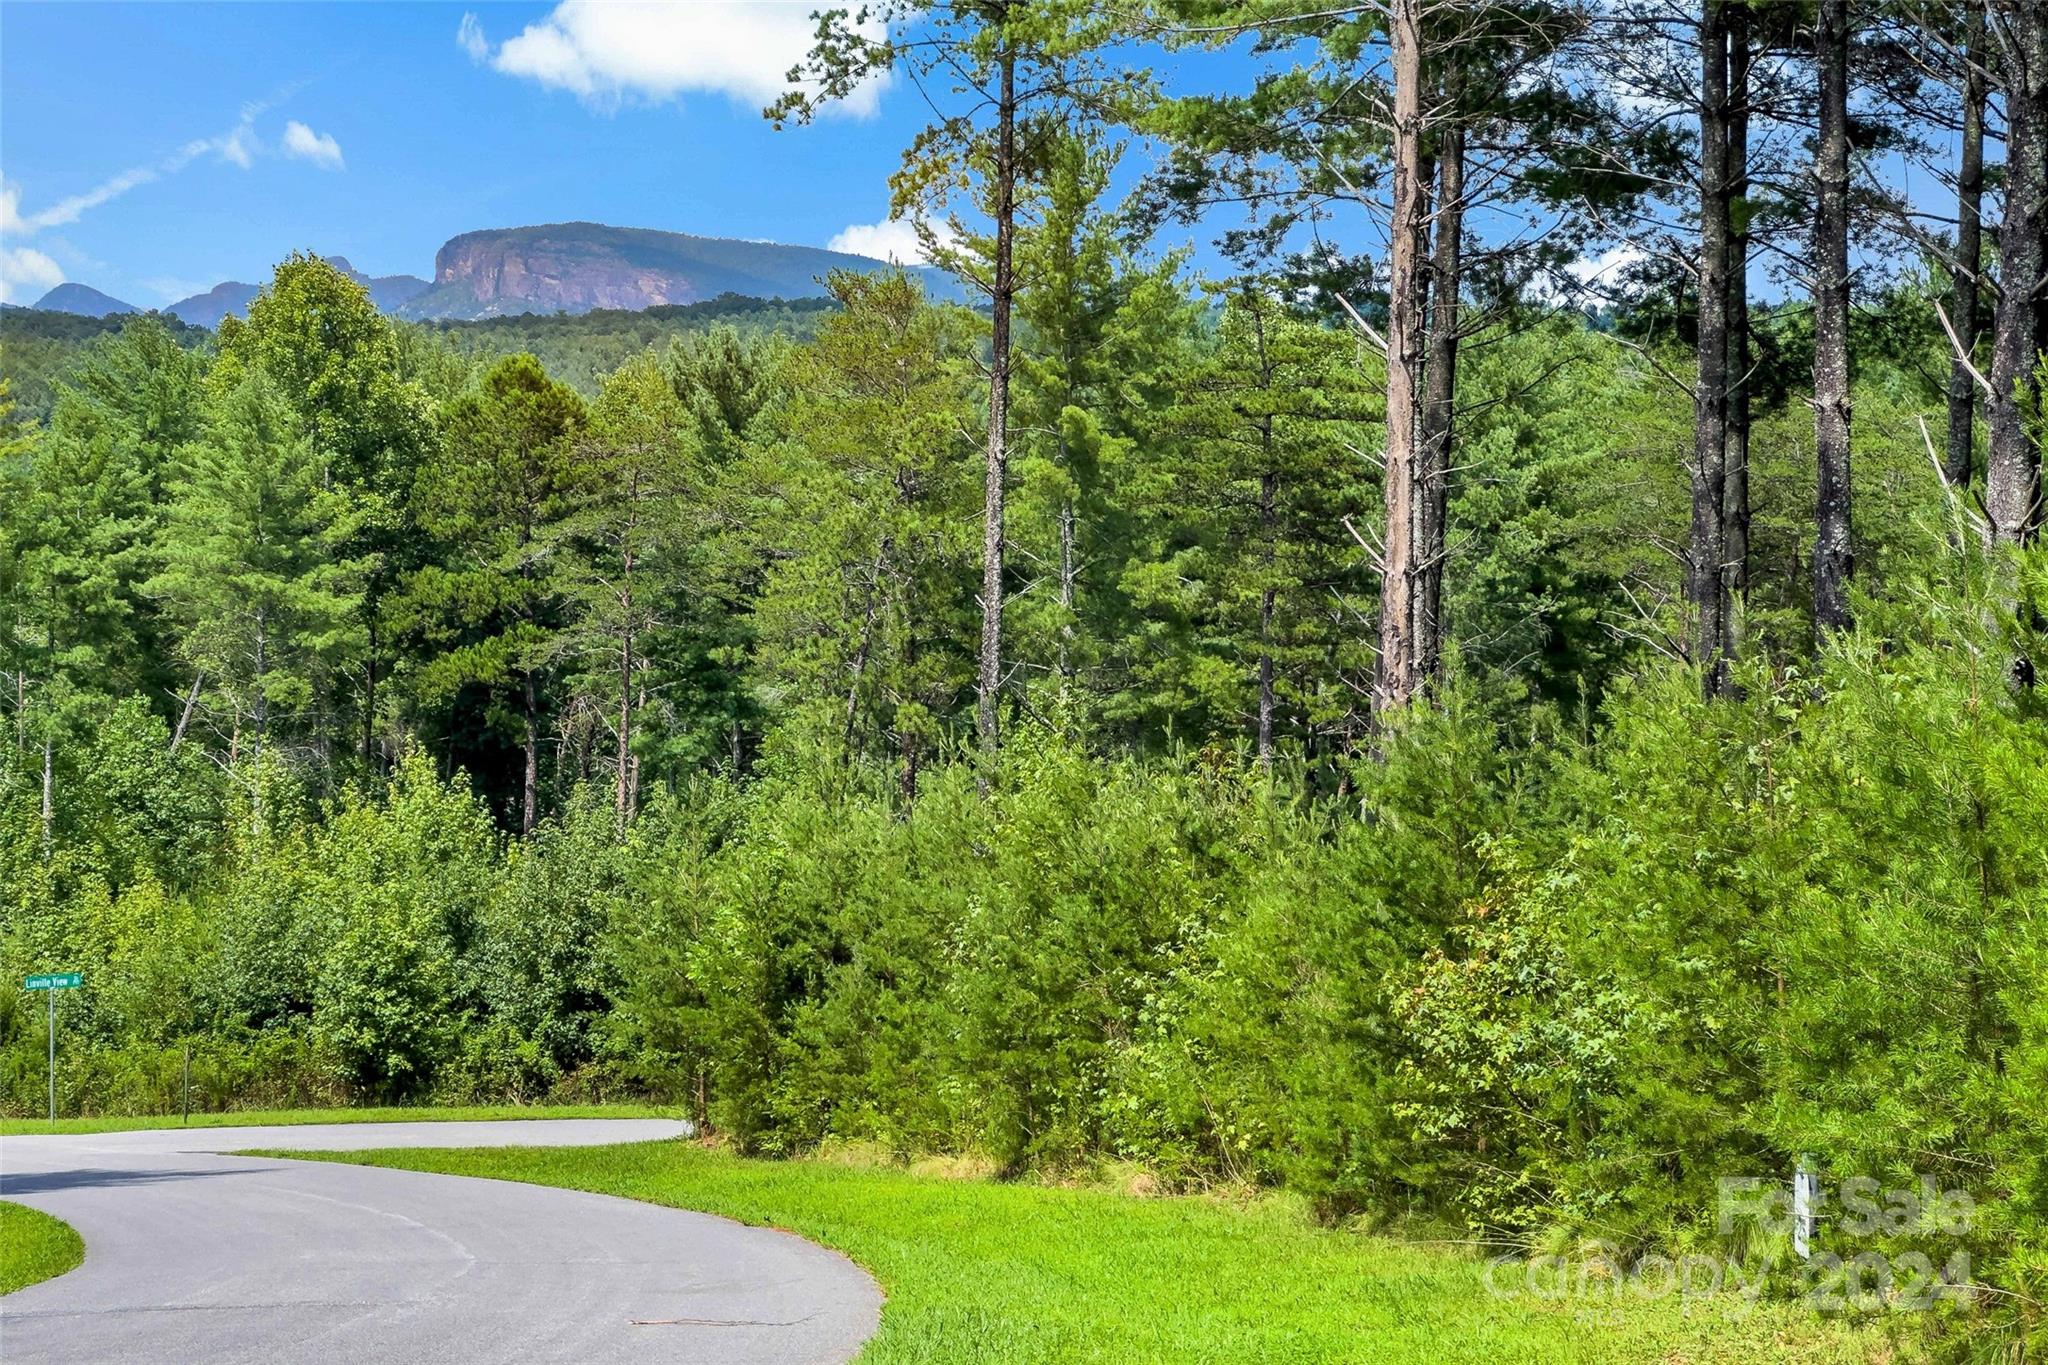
x: 980, y: 1271
x: 38, y: 349
x: 37, y: 346
x: 388, y: 729
x: 580, y: 349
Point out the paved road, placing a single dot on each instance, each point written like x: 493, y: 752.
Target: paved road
x: 194, y: 1255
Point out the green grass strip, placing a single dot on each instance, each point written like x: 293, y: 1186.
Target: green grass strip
x: 34, y: 1247
x: 980, y: 1271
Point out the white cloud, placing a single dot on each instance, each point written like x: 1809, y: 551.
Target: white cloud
x: 237, y: 145
x: 27, y: 274
x: 892, y: 239
x: 469, y: 36
x: 604, y: 51
x: 1607, y: 267
x: 1589, y: 279
x: 319, y: 148
x: 67, y: 210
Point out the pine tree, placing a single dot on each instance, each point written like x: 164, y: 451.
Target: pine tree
x: 487, y: 610
x: 1245, y: 581
x: 865, y: 525
x: 624, y: 543
x: 264, y: 608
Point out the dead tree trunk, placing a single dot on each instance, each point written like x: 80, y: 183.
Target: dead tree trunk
x: 1269, y: 490
x: 1706, y: 581
x: 1397, y: 677
x: 1833, y: 553
x: 185, y: 713
x: 49, y: 794
x: 996, y: 475
x: 529, y: 787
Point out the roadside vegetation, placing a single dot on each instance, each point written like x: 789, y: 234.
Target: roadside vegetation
x: 34, y: 1247
x: 983, y: 1271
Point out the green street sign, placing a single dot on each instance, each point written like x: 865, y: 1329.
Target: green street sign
x: 54, y: 981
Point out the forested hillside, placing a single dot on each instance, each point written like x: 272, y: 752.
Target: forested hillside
x: 581, y: 349
x: 1352, y: 725
x: 37, y: 347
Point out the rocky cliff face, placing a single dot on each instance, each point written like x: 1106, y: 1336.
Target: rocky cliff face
x: 576, y: 267
x: 552, y: 272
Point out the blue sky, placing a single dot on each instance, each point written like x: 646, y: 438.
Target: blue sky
x: 154, y: 150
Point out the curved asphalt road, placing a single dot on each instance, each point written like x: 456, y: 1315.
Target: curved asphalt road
x: 191, y: 1255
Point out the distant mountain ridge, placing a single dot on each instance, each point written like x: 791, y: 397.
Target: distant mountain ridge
x: 578, y: 267
x: 553, y: 268
x: 83, y: 300
x: 388, y: 292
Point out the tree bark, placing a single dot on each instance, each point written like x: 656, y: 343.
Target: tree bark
x: 1396, y: 681
x: 1269, y: 489
x: 262, y: 678
x: 1965, y: 294
x: 49, y: 795
x: 1706, y: 581
x: 185, y: 713
x: 1735, y: 513
x: 996, y: 475
x: 625, y: 749
x: 1833, y: 553
x: 1439, y: 406
x: 529, y: 792
x: 2012, y: 466
x: 370, y: 695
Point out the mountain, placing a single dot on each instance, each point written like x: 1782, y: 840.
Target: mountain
x: 206, y: 310
x: 388, y: 292
x: 577, y: 267
x: 83, y: 300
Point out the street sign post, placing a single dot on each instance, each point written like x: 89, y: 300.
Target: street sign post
x: 53, y: 982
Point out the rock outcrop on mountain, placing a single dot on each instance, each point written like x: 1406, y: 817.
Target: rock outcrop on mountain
x: 558, y: 268
x: 577, y: 267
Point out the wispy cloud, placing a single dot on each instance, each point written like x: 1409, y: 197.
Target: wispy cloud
x: 319, y: 148
x: 469, y: 36
x: 238, y: 146
x: 27, y: 274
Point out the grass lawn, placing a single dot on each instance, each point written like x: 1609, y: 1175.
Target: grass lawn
x: 252, y: 1117
x: 984, y: 1271
x: 34, y: 1247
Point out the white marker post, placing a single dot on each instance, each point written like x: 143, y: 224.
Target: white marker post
x: 1802, y: 1209
x: 53, y: 982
